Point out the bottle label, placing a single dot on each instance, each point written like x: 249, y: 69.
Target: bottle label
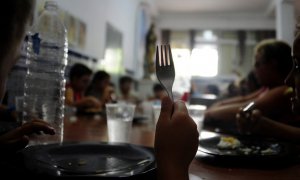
x: 36, y: 43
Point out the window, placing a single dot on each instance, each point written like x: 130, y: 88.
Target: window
x: 212, y: 54
x: 204, y: 61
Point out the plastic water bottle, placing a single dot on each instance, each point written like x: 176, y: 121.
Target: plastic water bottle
x: 45, y: 81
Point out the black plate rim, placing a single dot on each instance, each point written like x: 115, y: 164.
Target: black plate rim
x: 151, y: 167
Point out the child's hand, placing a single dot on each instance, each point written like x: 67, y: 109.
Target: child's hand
x: 18, y: 138
x: 247, y: 121
x: 176, y: 140
x: 92, y: 102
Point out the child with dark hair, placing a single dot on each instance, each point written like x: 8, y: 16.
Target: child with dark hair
x: 126, y: 93
x: 158, y: 92
x: 100, y: 81
x: 75, y: 88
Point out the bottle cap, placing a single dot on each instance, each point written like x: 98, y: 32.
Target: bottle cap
x: 50, y: 4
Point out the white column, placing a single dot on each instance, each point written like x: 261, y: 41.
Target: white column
x: 285, y: 20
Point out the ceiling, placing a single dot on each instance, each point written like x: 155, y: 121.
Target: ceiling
x: 217, y: 6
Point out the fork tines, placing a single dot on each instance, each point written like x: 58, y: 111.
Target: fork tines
x: 165, y: 70
x: 165, y: 55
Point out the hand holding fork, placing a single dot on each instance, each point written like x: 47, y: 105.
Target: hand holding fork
x: 165, y: 70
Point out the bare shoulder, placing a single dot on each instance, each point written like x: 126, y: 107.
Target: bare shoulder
x: 278, y: 97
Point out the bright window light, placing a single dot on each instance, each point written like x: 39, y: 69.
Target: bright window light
x: 204, y: 61
x: 208, y: 35
x: 181, y: 59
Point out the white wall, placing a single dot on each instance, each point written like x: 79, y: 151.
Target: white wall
x: 187, y: 21
x: 96, y: 13
x: 285, y: 20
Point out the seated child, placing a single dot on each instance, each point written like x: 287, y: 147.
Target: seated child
x: 75, y: 89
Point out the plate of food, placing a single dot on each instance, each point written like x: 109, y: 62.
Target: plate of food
x: 101, y: 160
x: 245, y: 148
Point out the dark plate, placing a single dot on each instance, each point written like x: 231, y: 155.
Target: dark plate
x: 141, y: 118
x: 277, y: 150
x: 107, y: 160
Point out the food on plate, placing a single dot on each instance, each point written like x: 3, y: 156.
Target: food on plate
x: 228, y: 143
x: 248, y: 147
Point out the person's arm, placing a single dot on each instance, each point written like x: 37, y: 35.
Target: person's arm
x: 176, y: 141
x: 260, y: 125
x: 85, y: 102
x: 238, y: 99
x: 88, y: 102
x: 18, y: 138
x: 274, y: 102
x: 224, y: 113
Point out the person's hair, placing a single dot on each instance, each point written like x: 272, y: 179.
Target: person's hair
x: 278, y: 52
x: 157, y: 87
x: 100, y: 76
x: 14, y: 17
x: 79, y: 70
x: 125, y: 79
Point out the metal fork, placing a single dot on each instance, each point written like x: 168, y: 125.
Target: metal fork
x: 165, y: 70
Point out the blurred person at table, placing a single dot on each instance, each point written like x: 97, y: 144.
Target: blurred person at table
x: 273, y: 62
x: 287, y: 128
x: 212, y: 89
x: 100, y: 87
x: 15, y: 17
x: 176, y: 141
x: 251, y: 84
x: 79, y: 78
x: 128, y: 95
x: 158, y: 92
x: 125, y: 90
x: 232, y: 90
x: 109, y: 94
x: 245, y: 86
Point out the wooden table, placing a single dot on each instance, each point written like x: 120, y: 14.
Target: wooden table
x: 88, y: 128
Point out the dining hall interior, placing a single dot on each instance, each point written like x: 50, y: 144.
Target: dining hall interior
x: 213, y: 39
x: 232, y: 63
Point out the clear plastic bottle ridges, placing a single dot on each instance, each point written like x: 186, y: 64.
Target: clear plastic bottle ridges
x: 44, y: 88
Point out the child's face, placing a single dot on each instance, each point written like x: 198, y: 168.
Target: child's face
x: 126, y: 87
x: 160, y: 94
x: 81, y: 83
x: 101, y: 85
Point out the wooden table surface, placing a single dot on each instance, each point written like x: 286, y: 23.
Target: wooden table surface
x: 88, y: 128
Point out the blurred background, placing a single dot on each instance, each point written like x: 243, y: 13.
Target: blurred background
x: 212, y: 40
